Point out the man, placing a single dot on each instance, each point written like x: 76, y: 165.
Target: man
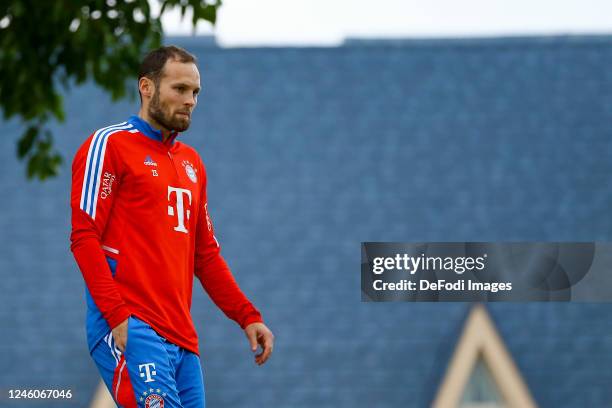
x: 140, y: 232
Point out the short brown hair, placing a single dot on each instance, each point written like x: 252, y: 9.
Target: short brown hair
x: 152, y: 65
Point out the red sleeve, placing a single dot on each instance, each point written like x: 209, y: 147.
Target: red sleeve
x: 213, y: 272
x: 96, y: 172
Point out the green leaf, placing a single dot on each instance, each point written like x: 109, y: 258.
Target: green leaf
x: 209, y: 13
x: 44, y: 163
x: 27, y: 141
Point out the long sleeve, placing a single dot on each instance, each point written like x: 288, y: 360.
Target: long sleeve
x: 96, y: 173
x: 214, y: 274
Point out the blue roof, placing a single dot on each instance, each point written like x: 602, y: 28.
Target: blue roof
x: 310, y: 151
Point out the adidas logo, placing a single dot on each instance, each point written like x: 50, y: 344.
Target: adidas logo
x: 149, y: 161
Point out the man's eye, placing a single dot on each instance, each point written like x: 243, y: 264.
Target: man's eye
x: 180, y: 88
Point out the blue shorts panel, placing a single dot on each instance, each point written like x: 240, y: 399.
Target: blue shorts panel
x: 159, y: 372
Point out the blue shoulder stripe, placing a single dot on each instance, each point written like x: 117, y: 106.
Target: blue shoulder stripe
x: 95, y: 161
x: 89, y: 164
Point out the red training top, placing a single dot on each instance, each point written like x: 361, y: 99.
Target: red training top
x: 141, y: 231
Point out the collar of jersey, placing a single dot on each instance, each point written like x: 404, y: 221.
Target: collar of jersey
x: 145, y: 128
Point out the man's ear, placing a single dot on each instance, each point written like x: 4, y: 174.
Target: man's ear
x: 146, y: 87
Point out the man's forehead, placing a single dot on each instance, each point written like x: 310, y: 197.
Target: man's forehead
x: 181, y: 71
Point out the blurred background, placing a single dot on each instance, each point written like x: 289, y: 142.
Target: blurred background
x: 435, y: 122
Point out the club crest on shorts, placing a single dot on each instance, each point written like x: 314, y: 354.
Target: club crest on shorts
x: 154, y: 401
x: 153, y: 398
x: 190, y: 170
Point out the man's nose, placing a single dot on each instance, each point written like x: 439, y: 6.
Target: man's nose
x: 190, y: 101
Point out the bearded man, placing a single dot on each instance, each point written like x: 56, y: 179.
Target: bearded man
x: 141, y: 232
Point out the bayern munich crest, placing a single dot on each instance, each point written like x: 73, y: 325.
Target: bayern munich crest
x: 154, y: 401
x: 191, y: 172
x: 153, y: 398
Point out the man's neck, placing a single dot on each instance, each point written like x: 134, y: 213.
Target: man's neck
x: 165, y: 132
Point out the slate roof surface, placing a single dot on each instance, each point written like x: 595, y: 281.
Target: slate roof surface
x: 310, y: 151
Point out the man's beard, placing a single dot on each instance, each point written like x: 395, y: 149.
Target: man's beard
x: 161, y: 114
